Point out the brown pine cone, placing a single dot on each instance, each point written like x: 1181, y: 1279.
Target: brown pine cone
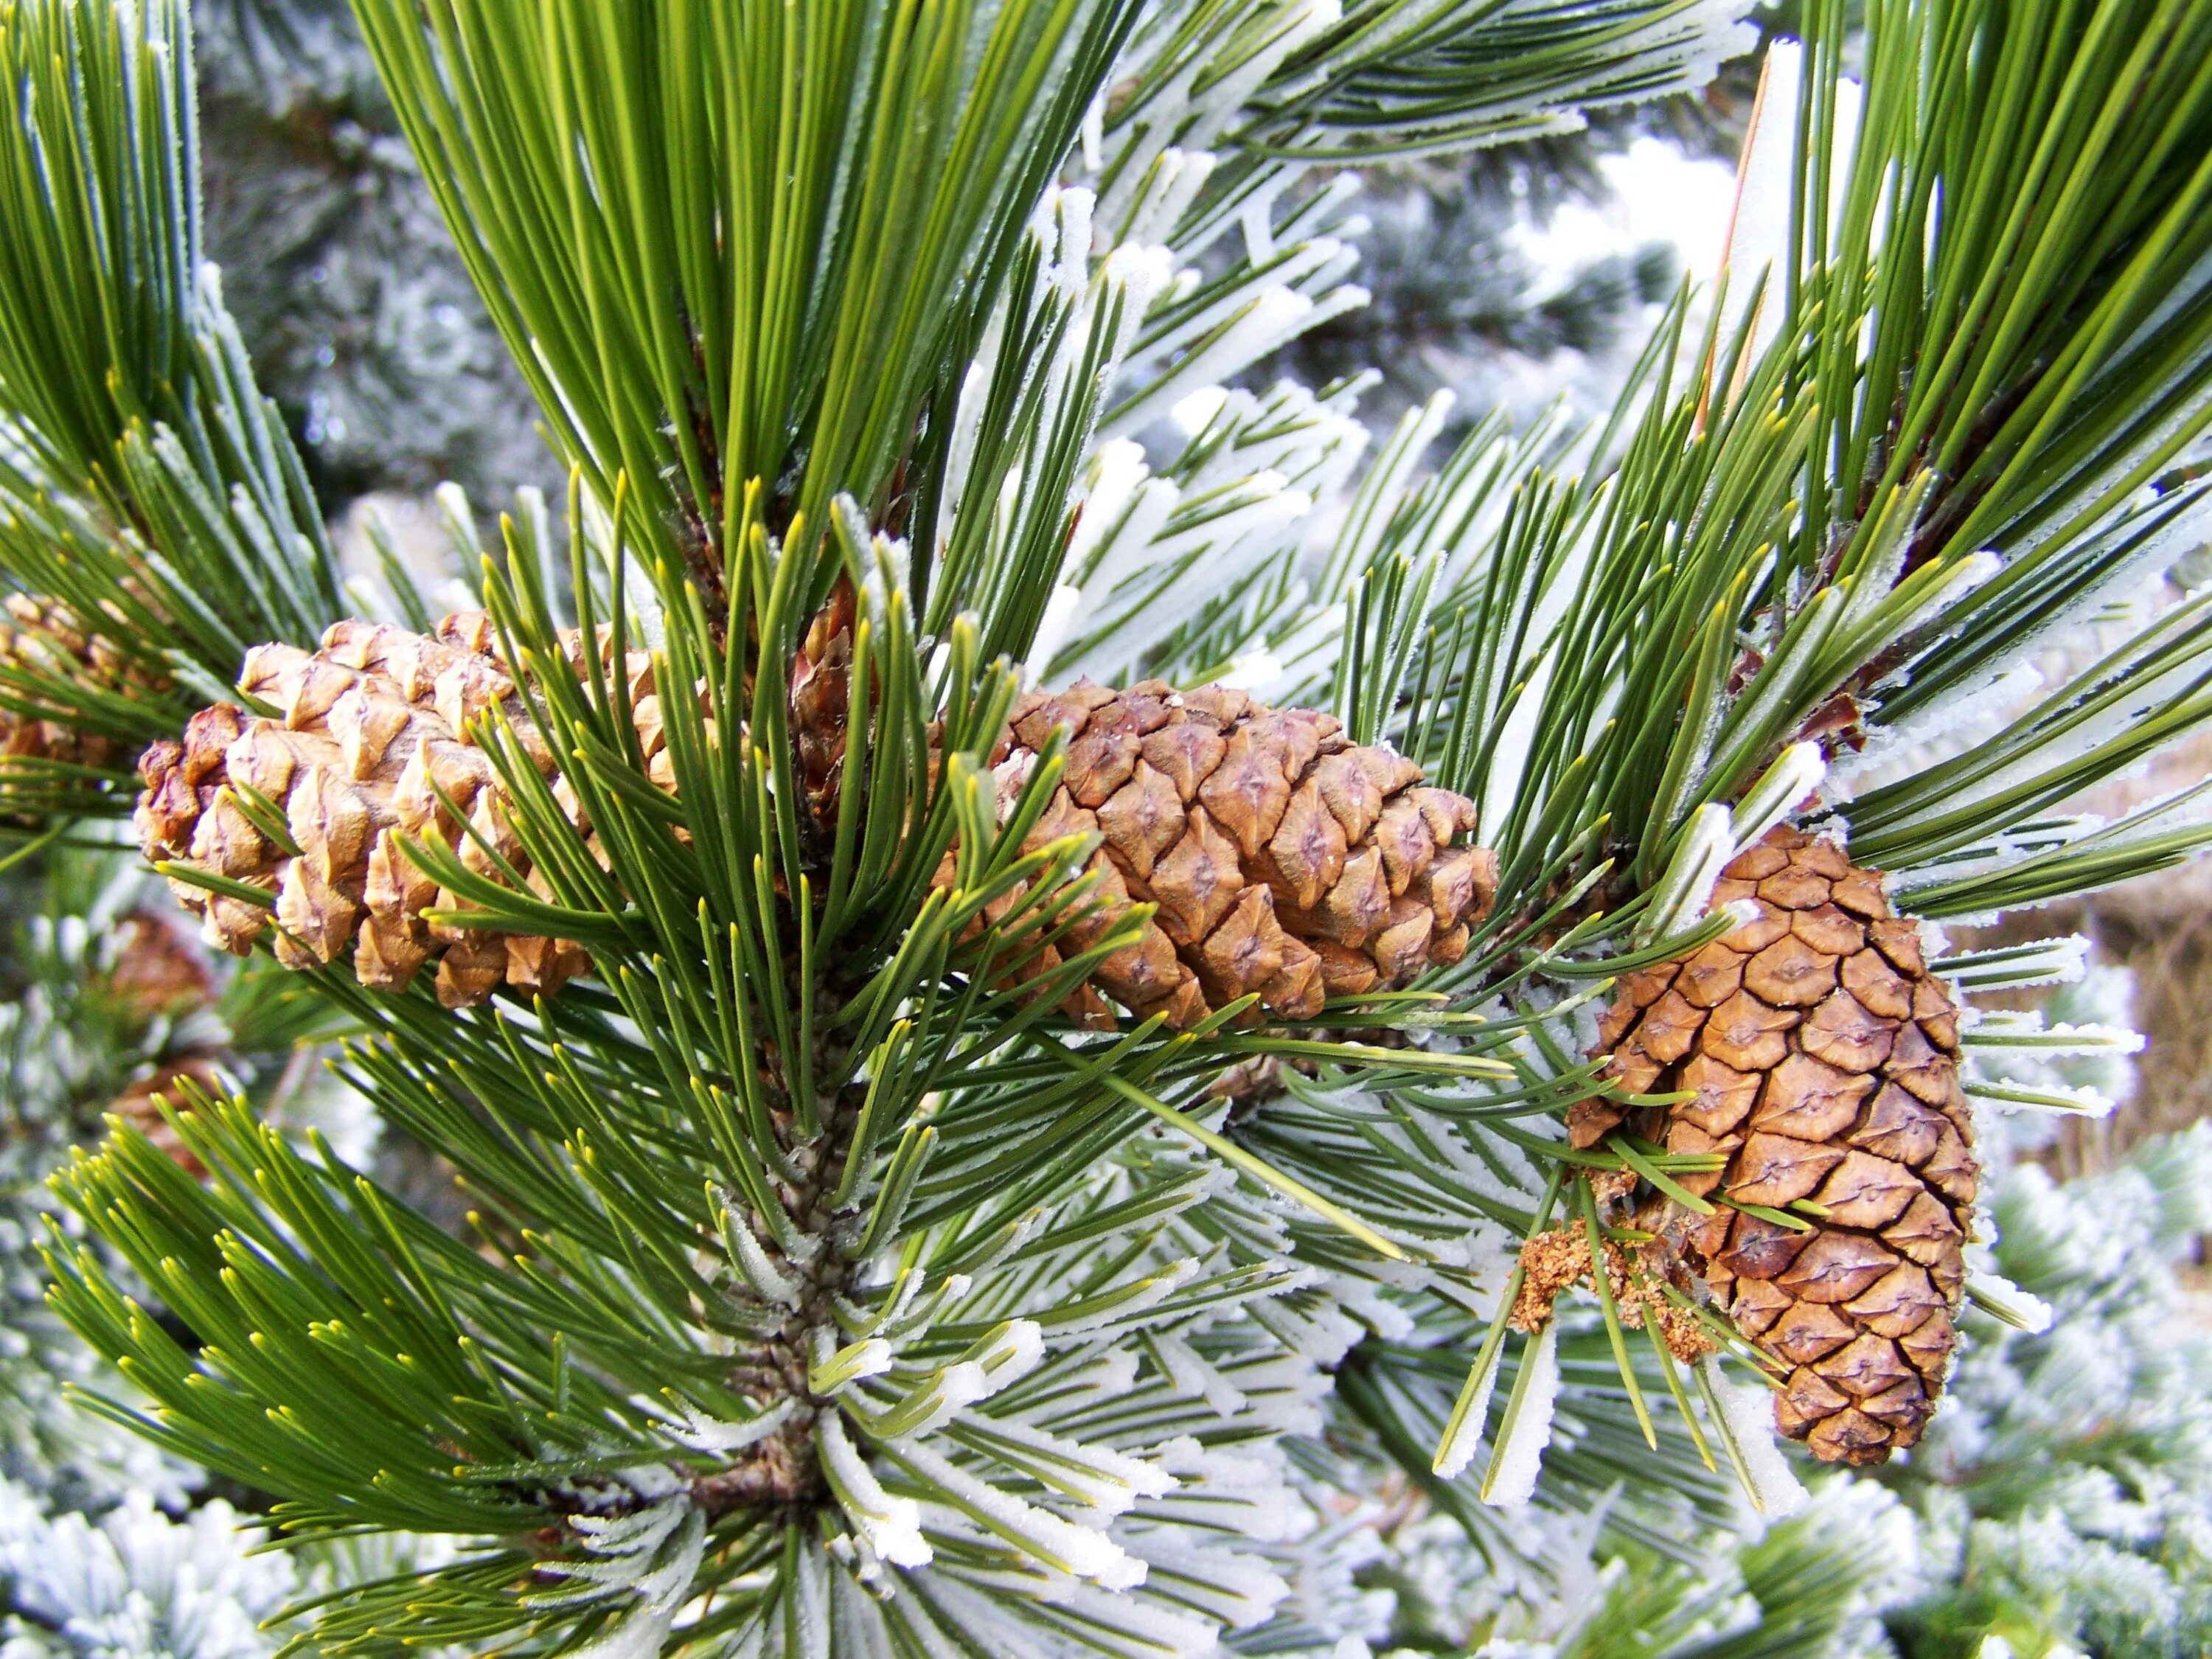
x: 47, y: 640
x: 1283, y: 859
x: 372, y: 730
x: 1823, y: 1056
x: 158, y: 972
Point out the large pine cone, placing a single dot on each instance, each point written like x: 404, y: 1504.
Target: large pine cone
x: 1283, y: 860
x: 1822, y: 1054
x: 371, y: 727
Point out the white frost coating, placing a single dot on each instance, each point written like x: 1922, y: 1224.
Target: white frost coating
x: 1314, y: 644
x: 135, y: 1582
x: 1796, y: 773
x: 2060, y: 961
x: 1230, y: 1588
x: 1044, y: 229
x: 1459, y: 1446
x: 1245, y: 1496
x: 1999, y: 1298
x: 669, y: 1552
x: 1501, y: 782
x: 1194, y: 414
x: 1012, y: 1356
x: 1108, y: 1377
x: 1686, y: 884
x: 2155, y: 551
x: 1130, y: 539
x: 1257, y: 671
x: 1364, y: 1299
x: 1191, y: 1376
x: 1094, y: 134
x: 870, y: 1357
x: 1970, y: 573
x: 1310, y: 269
x: 929, y: 1404
x: 967, y: 420
x: 710, y: 1434
x: 1154, y: 190
x: 1322, y: 1340
x: 1073, y: 255
x: 1286, y: 1391
x: 1962, y: 714
x: 1746, y: 911
x: 751, y: 1261
x: 2006, y: 1031
x: 1775, y: 1487
x: 1009, y: 778
x: 1521, y: 1456
x: 1117, y: 473
x: 1758, y: 228
x: 1060, y: 611
x: 1108, y: 1481
x: 2008, y: 1096
x: 1141, y: 274
x: 1273, y: 317
x: 965, y: 1381
x: 1082, y: 1551
x: 892, y: 1525
x: 907, y: 1286
x: 1384, y: 489
x: 1257, y: 221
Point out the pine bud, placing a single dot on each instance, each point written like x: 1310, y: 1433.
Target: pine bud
x: 1821, y: 1059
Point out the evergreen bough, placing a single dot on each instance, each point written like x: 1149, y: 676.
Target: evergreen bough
x: 867, y: 1257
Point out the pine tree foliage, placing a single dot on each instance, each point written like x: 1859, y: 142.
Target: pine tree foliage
x: 832, y: 1288
x: 110, y: 1005
x: 2062, y: 1501
x: 360, y: 320
x: 133, y: 1583
x: 153, y: 500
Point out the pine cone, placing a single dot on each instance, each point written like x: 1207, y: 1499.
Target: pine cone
x: 158, y: 972
x: 373, y: 729
x: 47, y: 640
x: 1823, y: 1058
x: 1283, y: 860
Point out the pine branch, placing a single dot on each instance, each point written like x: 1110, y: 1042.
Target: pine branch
x: 779, y: 319
x: 893, y: 1169
x: 150, y: 500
